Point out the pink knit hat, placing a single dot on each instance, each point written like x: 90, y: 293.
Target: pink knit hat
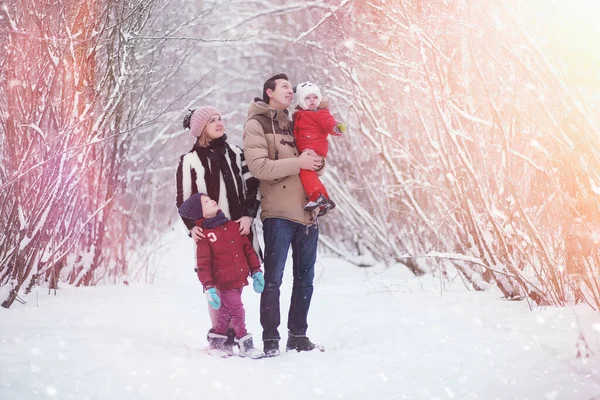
x: 200, y: 118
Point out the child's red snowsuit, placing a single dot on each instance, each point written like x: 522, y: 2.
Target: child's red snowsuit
x: 311, y: 128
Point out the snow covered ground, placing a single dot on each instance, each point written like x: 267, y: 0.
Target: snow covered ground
x: 388, y: 335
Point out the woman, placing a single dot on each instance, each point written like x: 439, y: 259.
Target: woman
x: 219, y: 170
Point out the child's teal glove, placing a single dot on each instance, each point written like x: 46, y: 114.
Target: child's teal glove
x: 341, y: 128
x: 258, y: 282
x: 213, y: 298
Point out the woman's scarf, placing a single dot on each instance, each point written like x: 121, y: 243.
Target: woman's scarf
x: 216, y: 153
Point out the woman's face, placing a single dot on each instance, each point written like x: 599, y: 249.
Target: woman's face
x: 214, y: 128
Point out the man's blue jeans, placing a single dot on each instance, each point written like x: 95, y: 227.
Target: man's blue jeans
x: 279, y: 234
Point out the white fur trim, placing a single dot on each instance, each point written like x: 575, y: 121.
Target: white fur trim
x: 244, y: 338
x: 192, y: 161
x: 196, y: 164
x: 214, y: 335
x: 186, y: 177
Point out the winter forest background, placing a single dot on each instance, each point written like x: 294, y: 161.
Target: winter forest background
x: 472, y: 151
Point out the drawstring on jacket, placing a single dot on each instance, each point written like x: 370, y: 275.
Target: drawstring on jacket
x: 276, y: 155
x: 273, y: 119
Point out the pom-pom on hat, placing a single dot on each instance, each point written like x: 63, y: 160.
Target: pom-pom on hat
x: 192, y: 207
x: 303, y: 90
x: 199, y: 118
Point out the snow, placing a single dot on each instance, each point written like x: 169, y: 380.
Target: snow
x: 24, y: 242
x: 5, y: 290
x: 350, y: 44
x: 388, y: 335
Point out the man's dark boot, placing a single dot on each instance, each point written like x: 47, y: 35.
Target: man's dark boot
x: 271, y: 347
x: 300, y: 343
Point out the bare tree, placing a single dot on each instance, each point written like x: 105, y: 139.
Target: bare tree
x: 470, y: 152
x: 92, y: 97
x: 474, y: 148
x: 75, y: 77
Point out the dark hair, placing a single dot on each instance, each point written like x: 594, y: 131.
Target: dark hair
x: 270, y: 84
x: 187, y: 118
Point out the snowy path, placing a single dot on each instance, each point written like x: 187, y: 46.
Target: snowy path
x: 388, y: 336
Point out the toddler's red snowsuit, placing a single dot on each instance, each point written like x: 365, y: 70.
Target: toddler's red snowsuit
x: 311, y: 129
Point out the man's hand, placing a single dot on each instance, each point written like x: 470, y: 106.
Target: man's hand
x: 197, y: 233
x: 310, y: 160
x: 245, y: 223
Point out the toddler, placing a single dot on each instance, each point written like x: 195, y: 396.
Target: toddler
x: 312, y: 125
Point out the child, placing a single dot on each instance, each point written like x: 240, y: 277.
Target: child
x: 312, y: 125
x: 224, y: 260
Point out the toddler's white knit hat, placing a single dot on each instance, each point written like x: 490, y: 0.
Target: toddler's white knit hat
x: 304, y: 89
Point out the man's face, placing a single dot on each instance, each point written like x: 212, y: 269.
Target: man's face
x: 281, y: 98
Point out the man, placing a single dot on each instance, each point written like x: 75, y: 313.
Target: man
x: 272, y: 157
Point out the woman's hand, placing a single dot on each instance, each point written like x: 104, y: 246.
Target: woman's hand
x: 197, y: 233
x: 245, y: 223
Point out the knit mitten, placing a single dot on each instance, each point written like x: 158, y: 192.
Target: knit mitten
x: 213, y: 298
x: 258, y: 282
x: 340, y: 128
